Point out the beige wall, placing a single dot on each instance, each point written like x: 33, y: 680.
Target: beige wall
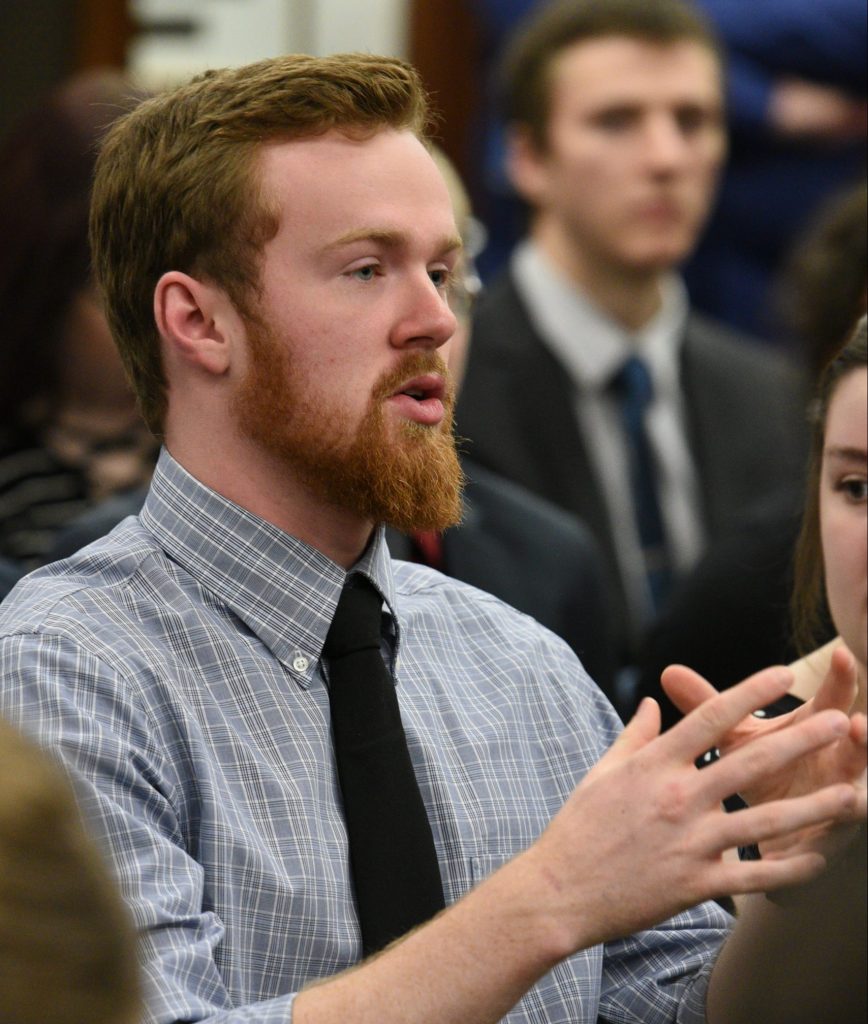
x: 229, y: 32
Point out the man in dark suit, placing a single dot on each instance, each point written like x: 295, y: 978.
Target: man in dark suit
x: 534, y: 556
x: 590, y: 380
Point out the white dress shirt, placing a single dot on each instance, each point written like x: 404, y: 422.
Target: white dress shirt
x: 592, y: 348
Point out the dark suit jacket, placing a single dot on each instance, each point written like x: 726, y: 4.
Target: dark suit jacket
x: 10, y: 574
x: 730, y: 616
x: 535, y: 557
x: 510, y: 543
x: 744, y: 409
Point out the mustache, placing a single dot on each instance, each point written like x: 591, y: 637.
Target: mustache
x: 416, y: 364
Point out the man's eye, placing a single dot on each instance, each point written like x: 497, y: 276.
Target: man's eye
x: 366, y: 273
x: 616, y: 120
x: 441, y: 278
x: 691, y: 119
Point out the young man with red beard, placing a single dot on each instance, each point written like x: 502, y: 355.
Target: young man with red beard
x: 275, y: 244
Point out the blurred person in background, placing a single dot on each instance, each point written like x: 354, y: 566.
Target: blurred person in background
x: 731, y: 615
x: 797, y: 83
x: 823, y: 289
x: 592, y: 381
x: 831, y: 568
x: 796, y: 117
x: 67, y: 949
x: 70, y: 434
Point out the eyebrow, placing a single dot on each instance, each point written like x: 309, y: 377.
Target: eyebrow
x: 387, y: 239
x: 846, y: 453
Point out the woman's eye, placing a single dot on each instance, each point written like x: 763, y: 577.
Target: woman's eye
x: 855, y: 488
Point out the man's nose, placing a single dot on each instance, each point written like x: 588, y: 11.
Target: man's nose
x: 665, y: 146
x: 425, y: 321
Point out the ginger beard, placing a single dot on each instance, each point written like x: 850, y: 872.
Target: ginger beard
x: 409, y: 478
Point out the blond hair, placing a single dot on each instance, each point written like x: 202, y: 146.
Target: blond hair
x: 67, y: 951
x: 176, y: 185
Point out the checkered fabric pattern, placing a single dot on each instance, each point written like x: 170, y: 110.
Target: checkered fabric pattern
x: 173, y: 667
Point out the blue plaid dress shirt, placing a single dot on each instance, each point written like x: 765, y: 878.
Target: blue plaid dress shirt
x: 174, y: 669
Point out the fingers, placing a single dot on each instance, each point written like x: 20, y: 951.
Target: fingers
x: 852, y: 755
x: 707, y: 725
x: 859, y: 730
x: 741, y: 877
x: 642, y: 728
x: 685, y: 688
x: 785, y: 817
x: 838, y: 689
x: 744, y: 768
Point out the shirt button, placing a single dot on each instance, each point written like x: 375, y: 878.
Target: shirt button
x: 300, y: 662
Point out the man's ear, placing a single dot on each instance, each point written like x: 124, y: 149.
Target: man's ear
x: 197, y: 320
x: 526, y: 165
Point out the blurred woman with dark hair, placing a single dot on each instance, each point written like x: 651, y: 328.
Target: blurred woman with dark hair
x: 69, y: 431
x: 831, y: 567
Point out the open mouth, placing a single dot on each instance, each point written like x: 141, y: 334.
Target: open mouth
x: 421, y: 399
x: 421, y: 389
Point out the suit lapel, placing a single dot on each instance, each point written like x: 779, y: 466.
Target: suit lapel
x: 544, y: 437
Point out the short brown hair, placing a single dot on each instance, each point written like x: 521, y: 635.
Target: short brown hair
x: 176, y: 188
x: 525, y: 71
x: 810, y: 612
x: 822, y: 291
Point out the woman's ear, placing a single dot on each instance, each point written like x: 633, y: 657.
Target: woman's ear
x: 196, y: 320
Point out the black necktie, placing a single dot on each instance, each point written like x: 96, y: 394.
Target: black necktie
x: 635, y: 392
x: 392, y: 855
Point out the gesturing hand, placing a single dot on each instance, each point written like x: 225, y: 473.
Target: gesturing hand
x: 643, y: 836
x: 842, y: 761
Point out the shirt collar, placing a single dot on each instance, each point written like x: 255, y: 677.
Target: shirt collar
x: 589, y: 343
x: 283, y: 590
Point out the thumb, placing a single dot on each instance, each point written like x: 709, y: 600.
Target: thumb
x: 686, y: 688
x: 642, y: 728
x: 839, y: 686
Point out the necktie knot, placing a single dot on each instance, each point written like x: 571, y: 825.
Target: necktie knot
x: 356, y: 623
x: 633, y: 382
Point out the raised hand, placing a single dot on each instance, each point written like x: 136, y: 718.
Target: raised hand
x: 842, y: 761
x: 644, y: 834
